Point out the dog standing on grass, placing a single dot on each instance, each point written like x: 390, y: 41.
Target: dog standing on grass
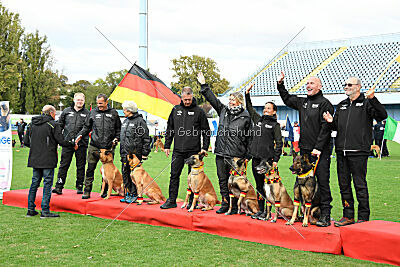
x: 199, y: 184
x: 112, y: 178
x: 145, y: 185
x: 305, y: 190
x: 158, y: 144
x: 240, y: 187
x: 275, y: 192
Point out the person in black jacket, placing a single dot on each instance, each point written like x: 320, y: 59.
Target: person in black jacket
x: 42, y: 137
x: 188, y: 127
x: 21, y: 124
x: 379, y: 130
x: 353, y: 122
x: 71, y: 121
x: 105, y: 124
x: 266, y: 144
x: 134, y: 139
x: 315, y: 136
x: 233, y: 137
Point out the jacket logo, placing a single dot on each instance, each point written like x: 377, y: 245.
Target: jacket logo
x: 83, y: 115
x: 359, y: 104
x: 305, y: 105
x: 315, y: 105
x: 98, y: 116
x: 191, y: 113
x: 131, y: 124
x: 268, y: 126
x: 179, y: 112
x: 259, y: 124
x: 343, y: 107
x: 109, y: 115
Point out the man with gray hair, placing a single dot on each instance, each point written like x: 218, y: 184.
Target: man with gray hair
x: 42, y: 137
x: 188, y: 127
x: 72, y: 120
x: 353, y: 122
x: 134, y: 139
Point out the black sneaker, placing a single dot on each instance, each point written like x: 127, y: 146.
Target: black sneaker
x: 224, y: 208
x: 57, y: 190
x: 255, y: 216
x: 31, y: 213
x: 324, y: 221
x: 79, y: 190
x: 86, y: 195
x: 48, y: 215
x: 168, y: 205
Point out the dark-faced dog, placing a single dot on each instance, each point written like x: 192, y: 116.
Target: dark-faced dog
x: 110, y: 173
x: 305, y: 190
x: 275, y: 192
x: 199, y: 184
x: 240, y: 187
x: 13, y: 143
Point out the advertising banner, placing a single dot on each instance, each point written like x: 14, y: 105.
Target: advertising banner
x: 5, y: 148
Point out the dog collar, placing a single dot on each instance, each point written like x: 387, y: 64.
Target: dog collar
x: 273, y: 180
x: 236, y: 173
x: 197, y: 168
x: 305, y: 174
x: 137, y: 165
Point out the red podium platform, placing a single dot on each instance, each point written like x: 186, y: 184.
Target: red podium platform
x: 377, y: 241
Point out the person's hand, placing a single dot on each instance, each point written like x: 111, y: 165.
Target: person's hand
x: 115, y: 141
x: 280, y: 77
x: 328, y: 117
x: 78, y: 139
x: 370, y: 93
x: 203, y: 151
x: 249, y: 87
x: 144, y: 157
x: 76, y: 147
x: 200, y: 78
x: 316, y: 152
x: 274, y: 164
x: 166, y: 151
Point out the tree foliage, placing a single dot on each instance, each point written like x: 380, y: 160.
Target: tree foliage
x: 186, y: 69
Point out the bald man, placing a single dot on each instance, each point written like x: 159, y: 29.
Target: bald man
x: 42, y: 137
x: 315, y: 136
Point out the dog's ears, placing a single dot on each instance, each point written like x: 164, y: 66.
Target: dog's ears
x: 202, y: 155
x: 305, y: 158
x: 108, y: 152
x: 240, y: 162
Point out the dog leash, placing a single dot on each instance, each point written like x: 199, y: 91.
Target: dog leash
x: 277, y: 210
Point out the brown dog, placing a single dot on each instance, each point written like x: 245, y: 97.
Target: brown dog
x: 305, y: 191
x: 377, y: 150
x: 200, y: 185
x: 275, y: 192
x: 240, y: 187
x: 143, y: 181
x: 158, y: 144
x: 111, y: 175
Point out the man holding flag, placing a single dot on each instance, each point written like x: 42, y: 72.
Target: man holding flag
x: 353, y: 122
x: 314, y: 136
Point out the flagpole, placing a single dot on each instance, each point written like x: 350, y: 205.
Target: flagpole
x: 380, y: 152
x: 383, y: 73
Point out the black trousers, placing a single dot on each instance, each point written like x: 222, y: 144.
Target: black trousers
x: 259, y: 183
x: 385, y: 151
x: 322, y: 174
x: 21, y: 138
x: 223, y: 169
x: 126, y: 176
x: 348, y: 168
x: 66, y: 157
x: 177, y: 164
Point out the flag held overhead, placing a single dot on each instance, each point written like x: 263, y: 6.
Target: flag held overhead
x: 149, y: 92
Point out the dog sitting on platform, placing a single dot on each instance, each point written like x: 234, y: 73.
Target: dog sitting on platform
x: 275, y: 192
x: 112, y: 178
x: 200, y: 185
x: 240, y: 187
x: 145, y: 185
x: 305, y: 190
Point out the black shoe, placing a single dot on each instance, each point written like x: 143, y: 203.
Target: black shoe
x: 57, y: 190
x: 263, y: 216
x: 79, y: 190
x: 224, y: 208
x: 169, y: 204
x: 31, y: 213
x: 86, y: 195
x: 48, y: 215
x: 324, y: 221
x: 255, y: 216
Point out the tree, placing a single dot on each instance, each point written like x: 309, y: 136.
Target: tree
x: 110, y: 83
x: 186, y: 69
x: 10, y: 61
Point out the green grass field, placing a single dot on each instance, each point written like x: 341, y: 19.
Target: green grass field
x: 71, y: 239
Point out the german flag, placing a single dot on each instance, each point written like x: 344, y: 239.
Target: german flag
x: 149, y: 93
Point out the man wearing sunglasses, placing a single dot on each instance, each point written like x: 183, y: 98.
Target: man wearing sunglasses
x: 353, y: 122
x: 315, y: 136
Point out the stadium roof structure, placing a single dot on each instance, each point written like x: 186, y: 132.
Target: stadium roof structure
x: 333, y: 62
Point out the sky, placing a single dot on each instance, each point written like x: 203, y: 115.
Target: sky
x: 240, y: 36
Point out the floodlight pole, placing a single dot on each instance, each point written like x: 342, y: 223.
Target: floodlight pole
x: 143, y: 34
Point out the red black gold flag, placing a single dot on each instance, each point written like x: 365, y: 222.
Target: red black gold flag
x: 147, y: 91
